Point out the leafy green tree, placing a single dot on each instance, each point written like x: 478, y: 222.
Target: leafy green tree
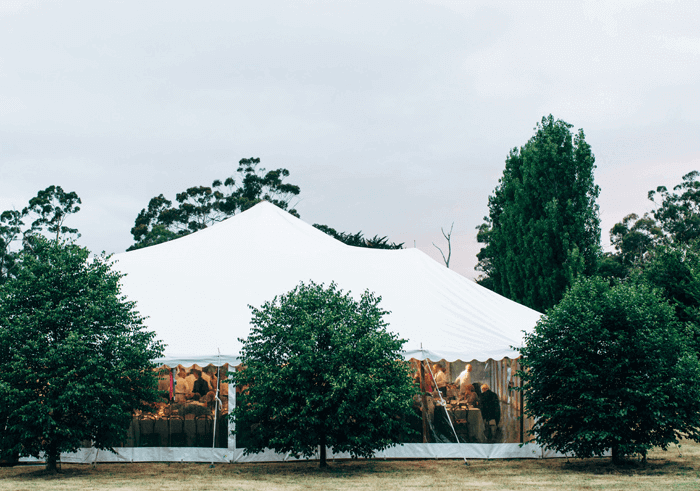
x: 358, y: 239
x: 610, y: 266
x: 75, y: 355
x: 679, y: 211
x: 633, y: 238
x: 10, y: 230
x: 52, y: 206
x: 47, y: 211
x: 321, y: 369
x: 543, y: 228
x: 610, y: 368
x: 674, y: 270
x: 199, y: 207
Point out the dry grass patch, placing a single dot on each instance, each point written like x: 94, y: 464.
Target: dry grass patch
x: 665, y: 470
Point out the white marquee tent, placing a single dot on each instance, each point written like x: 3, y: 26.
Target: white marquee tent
x: 195, y: 292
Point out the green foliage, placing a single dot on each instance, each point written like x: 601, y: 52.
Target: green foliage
x: 321, y: 369
x: 75, y: 356
x: 633, y: 239
x: 10, y: 230
x: 610, y: 368
x: 52, y: 206
x: 610, y: 266
x: 201, y: 206
x: 359, y: 240
x: 543, y: 227
x: 48, y: 211
x: 674, y: 270
x: 679, y: 211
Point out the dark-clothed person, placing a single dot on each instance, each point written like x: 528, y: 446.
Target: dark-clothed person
x: 200, y: 385
x: 490, y: 409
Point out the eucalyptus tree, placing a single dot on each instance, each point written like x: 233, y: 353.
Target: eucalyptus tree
x: 46, y: 212
x: 199, y: 207
x: 678, y: 211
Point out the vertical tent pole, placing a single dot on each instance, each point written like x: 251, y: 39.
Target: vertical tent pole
x: 522, y: 406
x: 217, y: 402
x: 424, y: 401
x: 231, y: 433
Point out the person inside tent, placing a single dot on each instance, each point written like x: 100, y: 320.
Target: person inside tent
x: 190, y: 377
x: 209, y: 374
x: 440, y: 379
x: 183, y: 390
x: 464, y: 379
x: 428, y: 383
x: 490, y: 410
x: 470, y: 398
x: 201, y: 390
x: 477, y: 389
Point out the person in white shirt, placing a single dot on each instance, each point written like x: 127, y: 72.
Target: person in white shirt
x: 183, y: 388
x: 464, y: 379
x: 440, y: 379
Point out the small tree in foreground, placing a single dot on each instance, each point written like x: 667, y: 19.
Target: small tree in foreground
x: 75, y: 360
x: 609, y: 368
x: 321, y: 369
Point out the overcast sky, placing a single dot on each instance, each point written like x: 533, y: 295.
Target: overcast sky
x: 395, y: 118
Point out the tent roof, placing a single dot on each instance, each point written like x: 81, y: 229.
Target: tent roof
x: 196, y: 290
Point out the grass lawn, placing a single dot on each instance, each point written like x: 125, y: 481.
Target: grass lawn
x: 665, y: 470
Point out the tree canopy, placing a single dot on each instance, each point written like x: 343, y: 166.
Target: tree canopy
x: 633, y: 238
x: 674, y: 223
x: 663, y: 249
x: 543, y: 226
x: 322, y: 370
x: 198, y: 207
x: 679, y: 211
x: 76, y: 359
x: 47, y: 212
x: 610, y: 368
x: 358, y: 239
x: 674, y: 270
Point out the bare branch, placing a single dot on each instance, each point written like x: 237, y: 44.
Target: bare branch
x: 447, y: 236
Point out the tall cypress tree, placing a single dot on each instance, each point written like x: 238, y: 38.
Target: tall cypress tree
x: 543, y: 228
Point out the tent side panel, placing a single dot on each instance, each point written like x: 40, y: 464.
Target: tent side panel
x: 407, y: 451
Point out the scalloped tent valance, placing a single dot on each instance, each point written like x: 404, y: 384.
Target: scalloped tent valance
x: 196, y: 290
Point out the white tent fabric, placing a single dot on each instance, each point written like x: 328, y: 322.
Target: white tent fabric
x: 196, y: 290
x: 223, y: 455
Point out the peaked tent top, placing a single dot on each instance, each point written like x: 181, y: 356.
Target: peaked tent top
x: 195, y: 290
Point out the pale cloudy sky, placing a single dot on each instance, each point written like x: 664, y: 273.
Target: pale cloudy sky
x: 395, y: 118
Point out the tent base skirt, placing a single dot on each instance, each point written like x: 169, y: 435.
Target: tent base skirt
x: 222, y: 455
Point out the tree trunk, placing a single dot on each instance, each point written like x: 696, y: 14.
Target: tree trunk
x: 323, y: 450
x: 52, y: 458
x: 617, y: 456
